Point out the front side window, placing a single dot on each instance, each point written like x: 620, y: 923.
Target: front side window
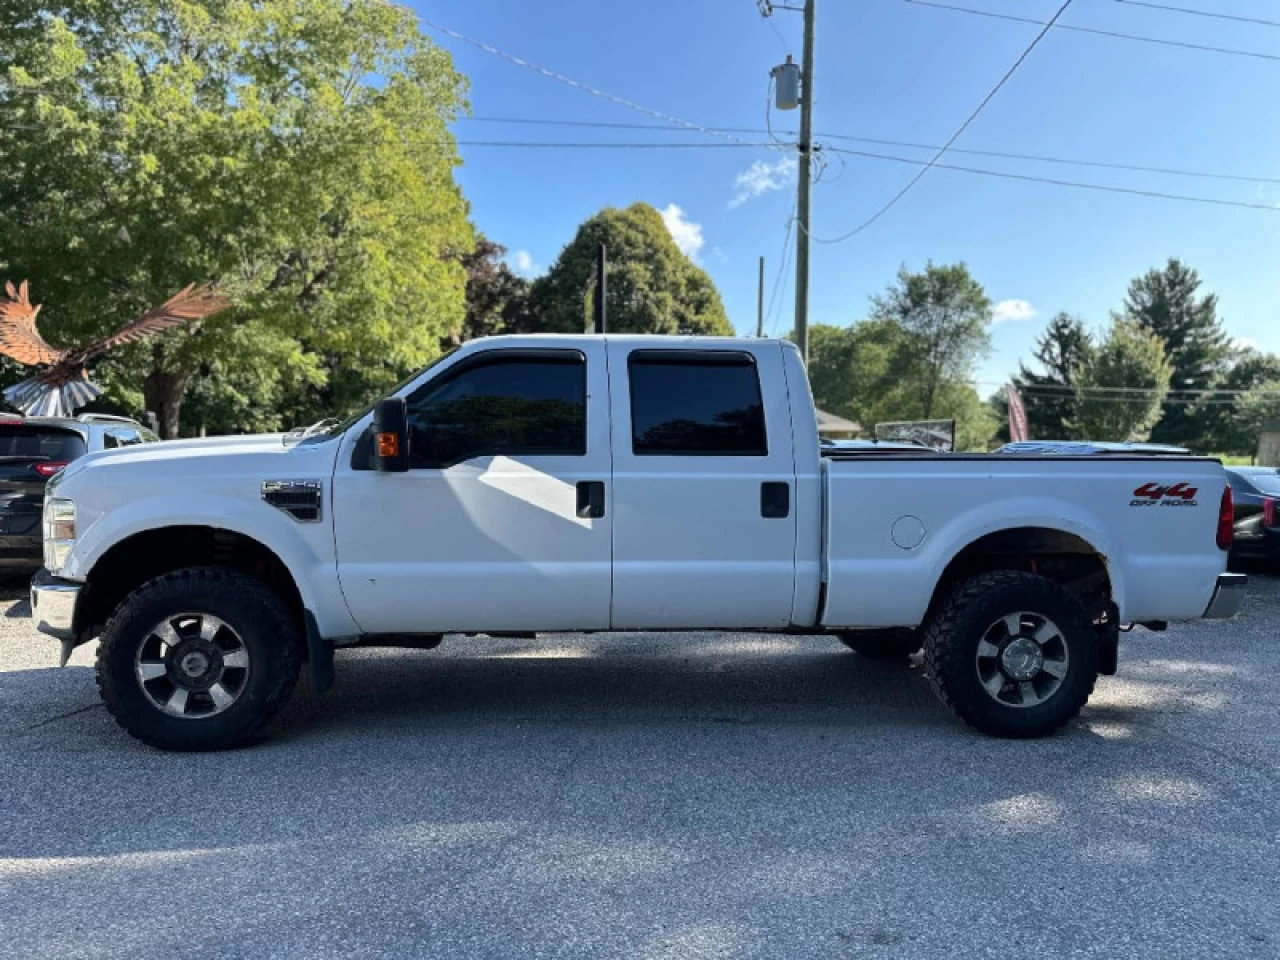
x: 690, y: 403
x: 519, y: 404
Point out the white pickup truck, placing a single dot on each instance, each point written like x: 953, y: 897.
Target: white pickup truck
x: 589, y: 483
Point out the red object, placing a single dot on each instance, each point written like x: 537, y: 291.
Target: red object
x: 1018, y: 428
x: 1268, y: 513
x: 49, y: 468
x: 1226, y: 519
x: 1183, y: 491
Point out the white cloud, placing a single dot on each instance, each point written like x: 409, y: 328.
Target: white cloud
x: 522, y: 263
x: 686, y: 233
x: 1007, y: 310
x: 1245, y: 343
x: 760, y: 178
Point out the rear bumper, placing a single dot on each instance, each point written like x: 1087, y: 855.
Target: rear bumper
x: 21, y: 551
x: 53, y: 605
x: 1228, y: 596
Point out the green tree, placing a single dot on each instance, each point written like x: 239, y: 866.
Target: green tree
x: 945, y: 313
x: 652, y: 286
x: 1122, y: 385
x: 1049, y: 393
x: 869, y: 372
x: 1168, y: 303
x: 1255, y: 409
x: 1224, y: 427
x: 296, y: 152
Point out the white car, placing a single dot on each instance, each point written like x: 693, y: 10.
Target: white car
x: 594, y: 483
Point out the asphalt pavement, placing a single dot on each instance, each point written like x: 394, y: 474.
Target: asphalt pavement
x: 648, y: 796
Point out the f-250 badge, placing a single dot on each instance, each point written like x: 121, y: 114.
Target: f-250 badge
x: 1154, y: 495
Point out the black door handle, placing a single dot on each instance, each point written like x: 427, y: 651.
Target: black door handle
x: 591, y: 499
x: 775, y: 500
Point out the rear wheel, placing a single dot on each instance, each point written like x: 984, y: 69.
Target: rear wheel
x: 198, y: 659
x: 883, y: 644
x: 1012, y: 654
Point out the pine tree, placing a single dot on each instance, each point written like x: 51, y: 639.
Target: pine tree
x: 1167, y: 303
x: 1061, y: 350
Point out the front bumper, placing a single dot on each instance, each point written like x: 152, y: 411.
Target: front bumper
x: 53, y: 605
x: 1228, y: 596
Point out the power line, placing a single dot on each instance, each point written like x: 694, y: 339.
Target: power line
x: 782, y: 269
x: 1037, y: 158
x: 955, y: 136
x: 1094, y: 30
x: 569, y: 81
x: 1200, y: 13
x: 1053, y: 181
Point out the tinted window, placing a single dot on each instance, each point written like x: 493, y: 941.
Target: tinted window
x: 696, y: 404
x: 122, y: 438
x: 514, y: 405
x: 40, y: 443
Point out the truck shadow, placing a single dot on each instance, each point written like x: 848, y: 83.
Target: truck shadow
x: 707, y: 679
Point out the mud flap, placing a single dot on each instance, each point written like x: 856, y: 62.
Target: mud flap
x: 1109, y: 642
x: 319, y: 655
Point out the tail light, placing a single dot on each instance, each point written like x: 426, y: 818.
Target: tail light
x: 1268, y: 513
x: 49, y: 467
x: 1226, y: 519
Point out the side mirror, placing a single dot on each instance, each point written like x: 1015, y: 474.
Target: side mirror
x: 390, y: 436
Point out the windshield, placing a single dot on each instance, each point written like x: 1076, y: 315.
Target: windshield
x: 40, y: 443
x: 342, y: 426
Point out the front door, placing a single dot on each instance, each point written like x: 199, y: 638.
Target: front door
x: 704, y: 528
x: 503, y: 521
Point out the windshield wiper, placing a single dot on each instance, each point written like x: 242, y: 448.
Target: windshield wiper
x: 301, y: 433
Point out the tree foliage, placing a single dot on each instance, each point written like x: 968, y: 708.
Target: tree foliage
x: 1049, y: 392
x: 294, y: 151
x: 1167, y: 302
x: 1121, y: 386
x: 497, y: 298
x: 652, y: 286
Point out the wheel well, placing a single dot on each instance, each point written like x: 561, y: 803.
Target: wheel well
x: 1063, y: 557
x: 144, y: 556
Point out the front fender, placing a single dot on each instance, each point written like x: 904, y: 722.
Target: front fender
x: 305, y: 549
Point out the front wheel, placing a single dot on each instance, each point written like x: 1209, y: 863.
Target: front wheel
x: 1012, y: 654
x: 198, y: 659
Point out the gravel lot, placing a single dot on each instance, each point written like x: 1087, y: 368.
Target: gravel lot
x: 653, y: 797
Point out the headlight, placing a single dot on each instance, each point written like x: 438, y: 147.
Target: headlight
x: 59, y: 533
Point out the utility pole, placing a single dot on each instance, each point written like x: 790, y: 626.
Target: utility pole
x: 760, y: 301
x: 803, y: 190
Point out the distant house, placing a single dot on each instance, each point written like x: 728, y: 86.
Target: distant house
x: 829, y: 425
x: 1268, y: 444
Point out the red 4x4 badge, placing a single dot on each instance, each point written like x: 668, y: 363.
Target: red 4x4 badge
x: 1151, y: 494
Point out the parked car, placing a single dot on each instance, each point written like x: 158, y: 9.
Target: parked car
x: 1085, y: 448
x: 531, y: 484
x: 1257, y: 513
x: 33, y: 449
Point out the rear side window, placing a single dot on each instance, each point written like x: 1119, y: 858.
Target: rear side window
x: 687, y: 403
x: 29, y: 442
x: 513, y: 405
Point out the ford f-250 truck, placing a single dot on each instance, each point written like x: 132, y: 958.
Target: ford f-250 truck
x: 588, y: 483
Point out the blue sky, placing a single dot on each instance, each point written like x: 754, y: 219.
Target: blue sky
x: 897, y: 71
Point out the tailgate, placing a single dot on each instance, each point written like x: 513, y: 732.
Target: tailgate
x: 893, y: 524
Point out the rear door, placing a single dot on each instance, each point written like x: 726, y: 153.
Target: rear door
x: 703, y: 485
x: 29, y: 454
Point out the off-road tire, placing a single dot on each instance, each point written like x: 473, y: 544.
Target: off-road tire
x: 254, y: 611
x: 951, y: 639
x: 887, y: 645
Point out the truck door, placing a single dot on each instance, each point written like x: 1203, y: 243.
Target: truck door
x: 703, y: 487
x: 503, y: 521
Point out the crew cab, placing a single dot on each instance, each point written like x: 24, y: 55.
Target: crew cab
x: 531, y: 484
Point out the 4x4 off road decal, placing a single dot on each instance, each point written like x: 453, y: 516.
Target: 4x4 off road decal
x: 1154, y: 495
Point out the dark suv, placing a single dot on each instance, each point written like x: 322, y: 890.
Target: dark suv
x: 33, y: 449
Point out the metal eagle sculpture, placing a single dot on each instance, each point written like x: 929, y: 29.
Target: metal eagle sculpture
x: 64, y: 385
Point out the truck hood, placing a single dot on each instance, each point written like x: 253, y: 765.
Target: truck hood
x: 213, y: 454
